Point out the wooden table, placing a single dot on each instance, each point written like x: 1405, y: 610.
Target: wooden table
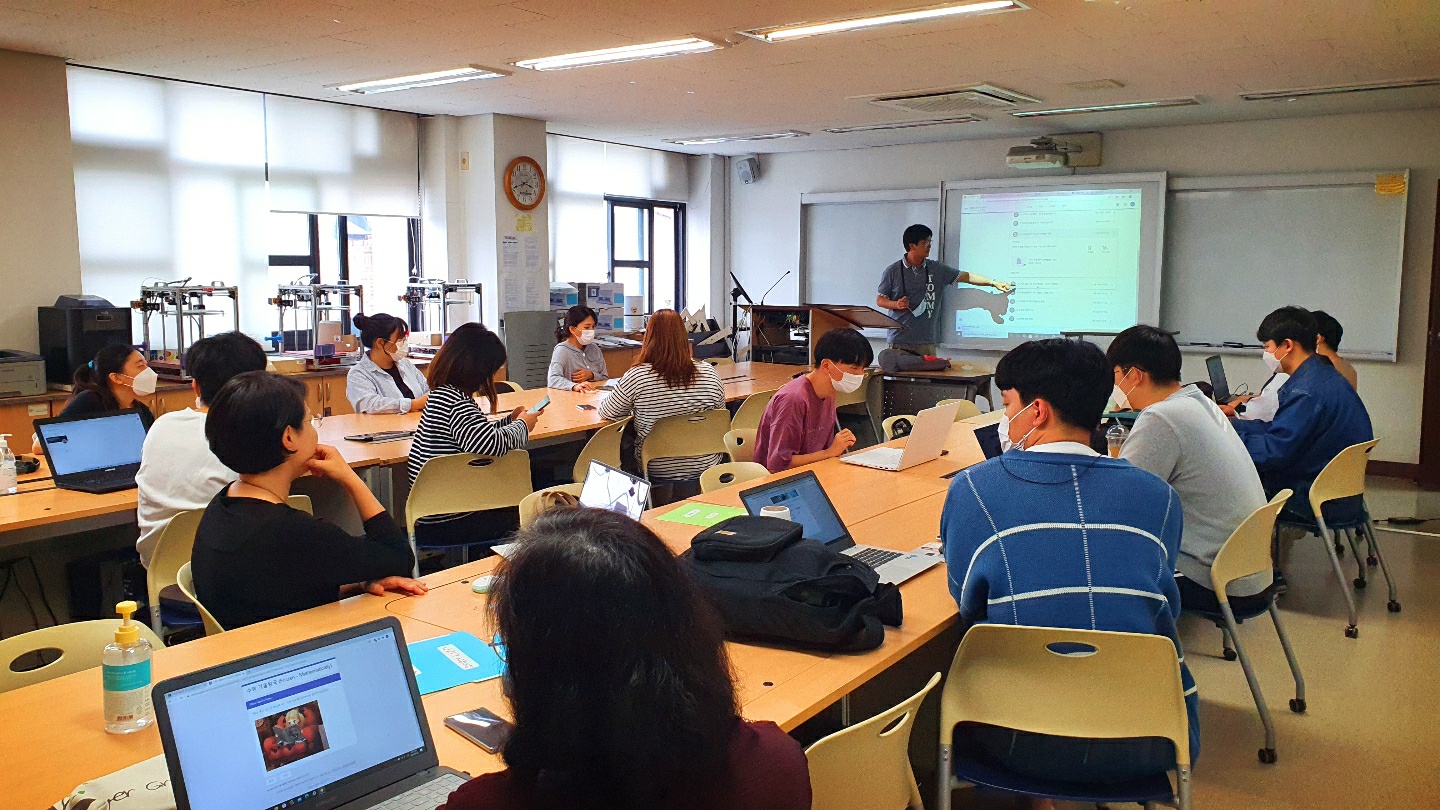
x: 785, y: 686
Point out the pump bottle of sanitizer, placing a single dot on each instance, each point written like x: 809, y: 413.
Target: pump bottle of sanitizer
x: 125, y: 670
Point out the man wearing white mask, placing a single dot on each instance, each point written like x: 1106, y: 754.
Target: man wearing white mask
x: 799, y: 425
x: 1053, y: 534
x: 577, y: 364
x: 1183, y: 437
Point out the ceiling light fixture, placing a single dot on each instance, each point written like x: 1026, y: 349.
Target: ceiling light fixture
x: 964, y: 119
x: 462, y: 74
x: 712, y: 139
x: 1291, y: 95
x: 625, y: 53
x: 1129, y: 105
x: 782, y: 33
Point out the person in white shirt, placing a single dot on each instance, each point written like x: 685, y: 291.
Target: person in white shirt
x: 1261, y: 406
x: 385, y: 381
x: 177, y: 469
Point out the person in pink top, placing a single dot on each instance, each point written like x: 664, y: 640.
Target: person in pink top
x: 799, y: 426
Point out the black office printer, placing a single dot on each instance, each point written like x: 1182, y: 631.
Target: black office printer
x: 74, y: 330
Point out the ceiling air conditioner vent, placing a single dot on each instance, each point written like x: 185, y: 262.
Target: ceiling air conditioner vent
x: 955, y: 100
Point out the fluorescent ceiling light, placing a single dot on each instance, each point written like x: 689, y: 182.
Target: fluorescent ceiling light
x: 1128, y: 105
x: 462, y: 74
x: 781, y: 33
x: 964, y: 119
x: 711, y: 139
x: 1291, y: 95
x: 626, y: 53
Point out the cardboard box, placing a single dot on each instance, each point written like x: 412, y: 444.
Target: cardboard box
x: 563, y: 295
x: 288, y: 365
x: 597, y: 295
x: 611, y: 319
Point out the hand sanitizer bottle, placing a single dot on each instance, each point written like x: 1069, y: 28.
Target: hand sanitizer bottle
x: 7, y: 466
x: 125, y: 669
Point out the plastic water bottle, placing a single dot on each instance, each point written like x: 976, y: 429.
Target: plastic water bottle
x: 125, y: 671
x: 7, y: 466
x: 1115, y: 438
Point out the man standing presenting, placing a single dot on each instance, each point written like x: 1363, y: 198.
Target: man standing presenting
x: 910, y: 289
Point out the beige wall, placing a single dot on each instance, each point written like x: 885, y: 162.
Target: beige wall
x: 40, y: 257
x: 764, y: 218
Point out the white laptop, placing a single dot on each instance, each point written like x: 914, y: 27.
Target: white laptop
x: 926, y: 442
x: 606, y: 488
x: 810, y: 507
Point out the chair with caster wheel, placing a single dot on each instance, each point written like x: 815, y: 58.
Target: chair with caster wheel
x: 1245, y: 554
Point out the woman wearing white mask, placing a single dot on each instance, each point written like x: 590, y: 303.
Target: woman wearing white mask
x: 577, y: 364
x: 385, y: 381
x: 115, y: 380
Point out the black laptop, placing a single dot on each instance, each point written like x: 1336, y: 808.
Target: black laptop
x: 93, y: 453
x: 1221, y: 386
x: 329, y: 722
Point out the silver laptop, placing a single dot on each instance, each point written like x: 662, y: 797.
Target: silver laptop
x: 811, y: 508
x: 614, y: 490
x: 331, y: 721
x: 925, y: 443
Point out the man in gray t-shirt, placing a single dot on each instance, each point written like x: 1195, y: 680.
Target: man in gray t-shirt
x: 1183, y: 437
x: 911, y: 290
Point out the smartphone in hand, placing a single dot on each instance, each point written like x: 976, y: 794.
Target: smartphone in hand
x: 540, y: 406
x: 482, y: 727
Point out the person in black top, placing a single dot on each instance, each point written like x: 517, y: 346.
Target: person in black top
x: 115, y: 380
x: 255, y: 557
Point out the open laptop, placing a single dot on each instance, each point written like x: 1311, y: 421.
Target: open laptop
x: 614, y: 490
x: 1221, y: 386
x: 811, y: 508
x: 331, y: 721
x: 925, y: 443
x: 93, y: 453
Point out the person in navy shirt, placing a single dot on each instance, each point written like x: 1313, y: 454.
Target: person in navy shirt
x: 1319, y: 415
x: 1052, y: 534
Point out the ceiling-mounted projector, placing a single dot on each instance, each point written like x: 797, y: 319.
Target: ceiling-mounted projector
x: 1041, y: 153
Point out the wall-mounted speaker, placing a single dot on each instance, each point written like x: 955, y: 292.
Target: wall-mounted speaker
x: 747, y: 169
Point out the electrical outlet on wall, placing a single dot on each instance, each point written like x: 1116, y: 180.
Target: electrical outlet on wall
x: 464, y: 161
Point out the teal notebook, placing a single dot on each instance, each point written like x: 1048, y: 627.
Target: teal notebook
x: 449, y: 661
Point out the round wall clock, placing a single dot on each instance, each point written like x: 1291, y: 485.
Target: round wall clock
x: 524, y: 183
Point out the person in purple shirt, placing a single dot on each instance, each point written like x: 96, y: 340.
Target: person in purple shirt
x: 799, y: 425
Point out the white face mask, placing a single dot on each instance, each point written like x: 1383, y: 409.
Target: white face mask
x: 144, y: 383
x: 1004, y: 430
x: 1272, y: 362
x: 402, y: 350
x: 587, y: 336
x: 1119, y: 397
x: 848, y: 383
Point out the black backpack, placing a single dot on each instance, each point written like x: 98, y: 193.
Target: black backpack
x: 769, y: 584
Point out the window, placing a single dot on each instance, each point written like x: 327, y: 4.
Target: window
x: 647, y: 251
x: 378, y: 253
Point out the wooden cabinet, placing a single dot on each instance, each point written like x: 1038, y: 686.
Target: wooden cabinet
x: 17, y: 419
x: 171, y: 399
x: 314, y: 396
x: 336, y: 403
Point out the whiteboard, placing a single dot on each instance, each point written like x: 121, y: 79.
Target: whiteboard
x: 848, y: 239
x: 1239, y: 247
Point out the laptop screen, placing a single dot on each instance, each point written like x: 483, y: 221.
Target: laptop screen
x: 808, y: 504
x: 100, y: 443
x: 1216, y: 367
x: 292, y: 728
x: 609, y: 488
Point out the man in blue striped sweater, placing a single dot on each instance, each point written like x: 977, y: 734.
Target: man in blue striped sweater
x: 1052, y: 534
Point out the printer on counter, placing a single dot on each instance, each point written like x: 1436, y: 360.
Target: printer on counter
x: 22, y: 374
x: 74, y: 330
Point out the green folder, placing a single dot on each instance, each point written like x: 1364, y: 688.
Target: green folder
x: 701, y: 514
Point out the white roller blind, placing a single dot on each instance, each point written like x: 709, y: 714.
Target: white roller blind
x: 335, y: 159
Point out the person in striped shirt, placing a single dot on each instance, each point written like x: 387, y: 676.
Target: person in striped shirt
x: 1052, y: 534
x: 666, y: 381
x: 454, y: 423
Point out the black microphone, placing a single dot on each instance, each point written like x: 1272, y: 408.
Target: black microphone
x: 773, y: 286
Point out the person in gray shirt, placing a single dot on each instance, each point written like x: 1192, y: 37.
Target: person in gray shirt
x: 577, y: 364
x: 1182, y: 436
x: 910, y: 289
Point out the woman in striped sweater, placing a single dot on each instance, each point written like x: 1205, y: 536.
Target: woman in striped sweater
x: 667, y: 381
x: 453, y: 423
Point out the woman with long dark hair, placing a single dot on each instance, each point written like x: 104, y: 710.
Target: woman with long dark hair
x: 621, y: 690
x: 577, y: 363
x: 385, y: 381
x: 454, y: 423
x: 667, y: 381
x: 114, y: 381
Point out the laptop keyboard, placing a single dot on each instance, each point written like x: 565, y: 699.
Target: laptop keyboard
x: 428, y: 796
x: 876, y: 557
x: 881, y: 458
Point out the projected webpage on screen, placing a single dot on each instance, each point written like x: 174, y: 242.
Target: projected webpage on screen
x: 1074, y: 256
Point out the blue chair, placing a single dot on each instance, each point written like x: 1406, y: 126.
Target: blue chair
x: 1068, y: 683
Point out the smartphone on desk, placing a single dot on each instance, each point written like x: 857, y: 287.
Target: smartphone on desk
x: 540, y: 406
x: 482, y: 727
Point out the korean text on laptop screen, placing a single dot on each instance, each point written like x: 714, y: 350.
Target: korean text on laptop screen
x: 94, y: 444
x: 609, y: 488
x: 807, y: 503
x: 264, y: 736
